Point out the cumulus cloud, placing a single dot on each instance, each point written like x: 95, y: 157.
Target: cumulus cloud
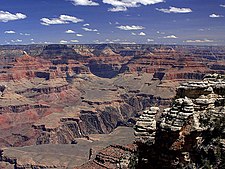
x: 47, y: 42
x: 222, y: 5
x: 122, y: 5
x: 86, y: 24
x: 90, y: 30
x: 25, y: 34
x: 175, y: 10
x: 63, y: 41
x: 63, y: 19
x: 199, y: 41
x: 133, y: 33
x: 150, y: 40
x: 79, y: 35
x: 74, y: 41
x: 84, y: 2
x: 69, y: 31
x: 170, y: 37
x: 128, y: 43
x: 116, y: 40
x: 133, y: 27
x: 7, y: 16
x: 215, y: 16
x: 142, y: 34
x: 10, y: 32
x: 118, y: 9
x: 16, y: 41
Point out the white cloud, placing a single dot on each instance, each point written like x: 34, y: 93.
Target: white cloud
x: 84, y: 2
x: 170, y: 37
x: 162, y: 33
x: 122, y: 5
x: 174, y: 10
x: 222, y: 5
x: 72, y: 19
x: 79, y: 35
x: 199, y: 41
x: 69, y: 31
x: 127, y: 42
x: 90, y: 30
x: 16, y: 41
x: 7, y: 16
x: 54, y: 21
x: 150, y: 40
x: 118, y: 9
x: 96, y: 41
x: 63, y: 19
x: 133, y: 27
x: 142, y: 34
x: 215, y: 16
x: 63, y: 41
x: 75, y: 41
x: 86, y: 24
x: 25, y: 34
x: 10, y: 32
x: 117, y: 40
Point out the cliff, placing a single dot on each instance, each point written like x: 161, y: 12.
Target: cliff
x: 190, y: 133
x: 57, y: 93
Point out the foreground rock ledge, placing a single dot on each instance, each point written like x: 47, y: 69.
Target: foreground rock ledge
x: 189, y: 134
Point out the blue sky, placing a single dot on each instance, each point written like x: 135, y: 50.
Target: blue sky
x: 113, y: 21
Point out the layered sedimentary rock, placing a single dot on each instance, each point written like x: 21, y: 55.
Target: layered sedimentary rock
x: 170, y: 62
x: 79, y: 155
x: 113, y: 156
x: 146, y: 125
x: 70, y: 91
x: 190, y: 133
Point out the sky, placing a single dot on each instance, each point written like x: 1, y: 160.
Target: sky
x: 184, y: 22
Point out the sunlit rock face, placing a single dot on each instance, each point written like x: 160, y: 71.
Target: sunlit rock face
x: 188, y: 133
x: 95, y: 87
x: 54, y: 94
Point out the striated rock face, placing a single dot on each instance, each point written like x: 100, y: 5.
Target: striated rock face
x: 190, y: 133
x: 167, y: 62
x: 146, y: 126
x: 96, y: 151
x: 173, y: 119
x: 113, y: 156
x: 94, y: 87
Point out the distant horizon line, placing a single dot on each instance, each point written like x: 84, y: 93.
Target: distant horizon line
x: 219, y: 45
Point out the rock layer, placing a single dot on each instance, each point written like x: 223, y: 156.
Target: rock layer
x: 94, y: 87
x: 191, y: 132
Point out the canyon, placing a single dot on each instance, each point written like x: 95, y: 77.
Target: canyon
x: 51, y: 95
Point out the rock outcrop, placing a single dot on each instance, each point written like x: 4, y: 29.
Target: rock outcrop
x: 113, y: 156
x: 189, y: 134
x: 146, y: 126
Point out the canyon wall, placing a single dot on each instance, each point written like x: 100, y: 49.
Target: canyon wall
x: 57, y: 93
